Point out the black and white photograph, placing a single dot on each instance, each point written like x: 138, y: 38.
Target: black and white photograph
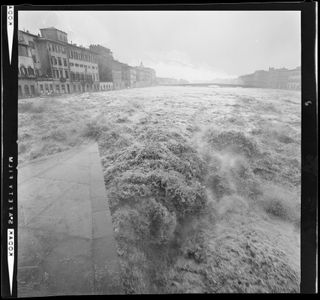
x: 158, y: 151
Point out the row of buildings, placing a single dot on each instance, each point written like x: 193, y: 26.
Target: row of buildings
x: 49, y: 64
x: 273, y: 78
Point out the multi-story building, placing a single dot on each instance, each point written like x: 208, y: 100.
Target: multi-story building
x: 125, y: 75
x: 145, y: 76
x: 273, y: 78
x: 75, y: 67
x: 53, y: 54
x: 117, y: 76
x: 151, y: 76
x: 105, y: 64
x: 132, y: 77
x: 84, y: 70
x: 294, y: 80
x: 28, y: 65
x: 49, y: 64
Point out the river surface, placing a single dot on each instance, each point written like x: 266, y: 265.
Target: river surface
x: 250, y: 141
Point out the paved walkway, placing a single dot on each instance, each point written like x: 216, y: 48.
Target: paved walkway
x: 65, y: 238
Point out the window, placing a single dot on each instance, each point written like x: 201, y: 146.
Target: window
x: 63, y: 88
x: 20, y: 37
x: 57, y: 74
x: 77, y: 65
x: 26, y: 90
x: 59, y: 61
x: 46, y: 87
x: 23, y: 70
x: 33, y: 91
x: 30, y: 71
x: 19, y: 91
x: 51, y: 87
x: 31, y: 44
x: 71, y: 64
x: 81, y: 66
x: 67, y: 74
x: 41, y: 88
x: 65, y: 62
x: 61, y: 74
x: 58, y: 88
x: 22, y: 50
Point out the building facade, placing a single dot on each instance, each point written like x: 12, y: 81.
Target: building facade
x: 274, y: 78
x: 294, y: 80
x: 84, y: 70
x: 54, y: 66
x: 105, y: 62
x: 50, y: 64
x: 106, y: 86
x: 132, y: 77
x: 117, y: 76
x: 145, y: 76
x: 28, y: 65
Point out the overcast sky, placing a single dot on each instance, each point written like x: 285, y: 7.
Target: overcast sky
x: 194, y: 45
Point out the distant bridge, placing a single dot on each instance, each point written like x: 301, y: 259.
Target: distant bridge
x: 209, y: 84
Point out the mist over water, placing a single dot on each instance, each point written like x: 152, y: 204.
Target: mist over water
x: 203, y: 183
x: 249, y: 141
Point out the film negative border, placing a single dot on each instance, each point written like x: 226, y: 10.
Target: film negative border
x: 9, y: 56
x: 309, y: 103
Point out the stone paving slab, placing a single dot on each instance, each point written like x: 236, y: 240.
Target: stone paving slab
x: 65, y: 234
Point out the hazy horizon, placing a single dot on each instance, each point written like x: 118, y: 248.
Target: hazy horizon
x: 192, y: 45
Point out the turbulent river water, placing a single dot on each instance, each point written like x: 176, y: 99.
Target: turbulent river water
x: 246, y: 142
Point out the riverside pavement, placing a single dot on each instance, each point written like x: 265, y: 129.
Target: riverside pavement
x: 65, y: 235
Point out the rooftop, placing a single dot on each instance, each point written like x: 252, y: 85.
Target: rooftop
x: 53, y: 28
